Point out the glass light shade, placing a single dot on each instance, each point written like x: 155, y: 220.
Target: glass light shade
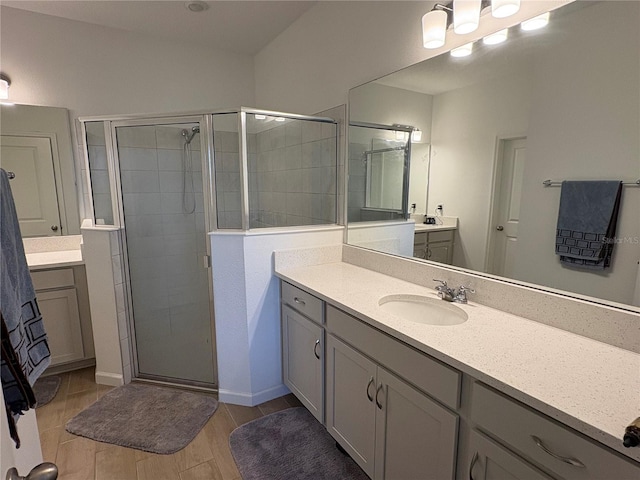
x: 496, y: 38
x: 466, y: 16
x: 4, y: 89
x: 434, y: 28
x: 260, y: 117
x: 399, y: 135
x: 280, y: 119
x: 504, y: 8
x: 463, y: 51
x: 416, y: 135
x: 535, y: 23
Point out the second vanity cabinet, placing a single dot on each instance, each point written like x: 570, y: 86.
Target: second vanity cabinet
x: 436, y: 246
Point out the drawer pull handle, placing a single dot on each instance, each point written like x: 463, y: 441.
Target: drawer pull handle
x: 377, y: 395
x: 299, y: 302
x: 473, y: 464
x: 570, y: 461
x: 369, y: 396
x: 315, y: 349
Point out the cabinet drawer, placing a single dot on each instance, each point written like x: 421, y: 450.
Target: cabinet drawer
x: 428, y: 374
x: 45, y: 279
x: 517, y: 424
x: 442, y: 236
x: 419, y: 239
x: 302, y: 301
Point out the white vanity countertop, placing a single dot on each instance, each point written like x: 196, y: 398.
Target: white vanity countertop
x: 422, y: 227
x: 62, y: 258
x: 585, y: 384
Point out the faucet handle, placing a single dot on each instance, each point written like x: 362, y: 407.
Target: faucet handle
x: 442, y: 282
x: 466, y: 289
x: 461, y: 296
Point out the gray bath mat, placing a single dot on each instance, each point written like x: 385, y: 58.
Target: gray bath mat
x: 290, y: 444
x: 45, y: 389
x: 146, y: 417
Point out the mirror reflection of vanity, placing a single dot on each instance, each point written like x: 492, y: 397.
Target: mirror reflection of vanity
x: 561, y: 103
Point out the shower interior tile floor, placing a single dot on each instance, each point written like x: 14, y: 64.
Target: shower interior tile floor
x: 207, y: 457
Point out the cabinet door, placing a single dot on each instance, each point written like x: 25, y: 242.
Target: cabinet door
x: 303, y: 353
x: 415, y: 437
x: 351, y: 385
x: 490, y: 461
x: 61, y: 319
x: 440, y: 252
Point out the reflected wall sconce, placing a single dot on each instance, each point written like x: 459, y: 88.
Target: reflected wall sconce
x: 416, y: 135
x: 5, y: 82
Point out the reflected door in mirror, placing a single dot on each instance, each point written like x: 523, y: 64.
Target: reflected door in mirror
x: 30, y: 158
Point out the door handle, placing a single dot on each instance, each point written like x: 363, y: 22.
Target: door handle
x: 499, y: 228
x: 378, y: 390
x: 369, y: 396
x: 44, y: 471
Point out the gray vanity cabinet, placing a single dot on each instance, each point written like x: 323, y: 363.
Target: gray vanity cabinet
x: 490, y: 461
x: 435, y: 246
x: 391, y: 429
x: 303, y: 348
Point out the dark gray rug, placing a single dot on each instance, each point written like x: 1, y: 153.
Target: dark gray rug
x: 45, y: 389
x: 146, y: 417
x: 290, y: 444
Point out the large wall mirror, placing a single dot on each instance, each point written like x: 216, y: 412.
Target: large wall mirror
x: 560, y: 103
x: 37, y: 149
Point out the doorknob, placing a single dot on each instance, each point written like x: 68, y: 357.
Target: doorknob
x: 54, y: 228
x: 500, y: 228
x: 44, y: 471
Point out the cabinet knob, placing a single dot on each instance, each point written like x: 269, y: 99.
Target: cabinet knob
x: 54, y: 228
x: 499, y: 228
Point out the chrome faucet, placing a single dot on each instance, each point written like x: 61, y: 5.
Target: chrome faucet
x: 444, y: 292
x: 451, y: 294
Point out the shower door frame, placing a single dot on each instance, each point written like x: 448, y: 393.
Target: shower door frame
x: 206, y: 159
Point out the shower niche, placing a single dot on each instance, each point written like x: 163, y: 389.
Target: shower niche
x: 166, y: 181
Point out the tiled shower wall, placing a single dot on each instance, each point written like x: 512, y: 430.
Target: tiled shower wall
x: 100, y: 187
x: 292, y: 179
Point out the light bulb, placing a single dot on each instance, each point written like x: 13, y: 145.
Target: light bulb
x: 463, y: 51
x: 4, y: 89
x: 434, y: 28
x: 280, y: 119
x: 504, y: 8
x: 496, y: 38
x: 466, y: 16
x: 535, y: 23
x: 260, y: 117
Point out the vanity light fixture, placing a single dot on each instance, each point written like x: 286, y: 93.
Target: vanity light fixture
x: 466, y: 16
x: 260, y: 117
x: 280, y: 119
x: 5, y: 82
x: 535, y: 23
x: 416, y: 135
x: 463, y: 51
x: 399, y: 135
x: 496, y: 38
x: 434, y: 27
x: 504, y: 8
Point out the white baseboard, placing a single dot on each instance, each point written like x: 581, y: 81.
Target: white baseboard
x: 112, y: 379
x: 252, y: 399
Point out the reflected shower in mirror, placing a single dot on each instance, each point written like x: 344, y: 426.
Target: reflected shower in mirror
x: 561, y: 103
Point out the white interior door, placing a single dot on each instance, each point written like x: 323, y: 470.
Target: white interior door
x: 508, y: 206
x: 34, y: 186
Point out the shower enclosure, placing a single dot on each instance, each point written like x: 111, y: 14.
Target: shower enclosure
x: 166, y: 182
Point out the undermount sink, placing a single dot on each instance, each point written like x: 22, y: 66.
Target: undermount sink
x: 421, y: 309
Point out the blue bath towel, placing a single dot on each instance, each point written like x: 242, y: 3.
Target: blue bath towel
x: 19, y: 308
x: 587, y: 221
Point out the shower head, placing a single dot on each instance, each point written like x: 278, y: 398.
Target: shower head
x: 189, y: 136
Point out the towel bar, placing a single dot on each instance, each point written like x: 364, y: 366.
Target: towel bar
x: 549, y: 183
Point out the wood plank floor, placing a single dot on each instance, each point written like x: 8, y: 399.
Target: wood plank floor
x: 207, y: 457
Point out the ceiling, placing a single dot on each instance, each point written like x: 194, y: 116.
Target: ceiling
x: 235, y: 26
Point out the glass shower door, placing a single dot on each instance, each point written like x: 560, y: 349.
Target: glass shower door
x: 166, y: 244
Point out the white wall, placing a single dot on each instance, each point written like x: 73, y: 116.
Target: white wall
x: 94, y: 70
x: 590, y: 90
x: 247, y: 309
x: 466, y: 125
